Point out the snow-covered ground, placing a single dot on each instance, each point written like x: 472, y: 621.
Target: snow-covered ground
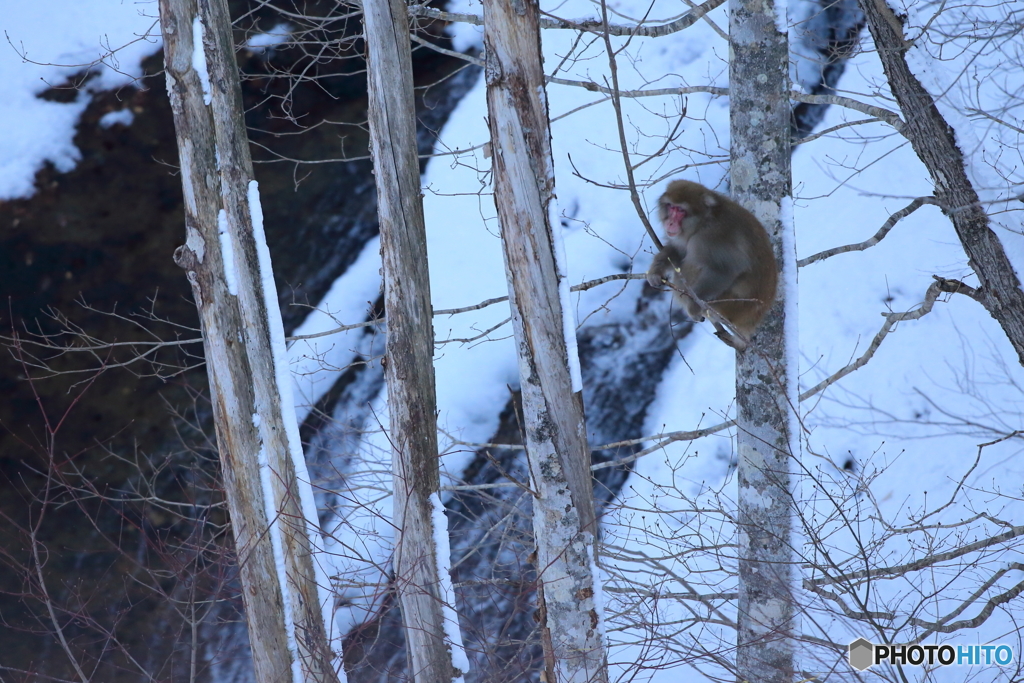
x: 891, y: 440
x: 45, y: 43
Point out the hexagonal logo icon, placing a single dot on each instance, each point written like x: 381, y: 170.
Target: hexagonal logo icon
x: 861, y: 654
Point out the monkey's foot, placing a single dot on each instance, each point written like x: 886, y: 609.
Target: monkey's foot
x: 730, y: 339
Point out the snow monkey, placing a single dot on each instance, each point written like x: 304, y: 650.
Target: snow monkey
x: 721, y: 251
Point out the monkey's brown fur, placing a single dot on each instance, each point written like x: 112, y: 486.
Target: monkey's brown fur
x: 720, y: 250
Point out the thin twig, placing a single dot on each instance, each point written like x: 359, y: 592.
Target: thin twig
x: 617, y: 105
x: 918, y: 564
x: 589, y: 25
x: 833, y: 129
x: 890, y: 117
x: 582, y: 287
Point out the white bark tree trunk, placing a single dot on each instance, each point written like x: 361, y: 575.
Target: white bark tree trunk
x: 257, y: 435
x: 765, y: 383
x: 410, y: 347
x: 935, y: 144
x: 564, y: 521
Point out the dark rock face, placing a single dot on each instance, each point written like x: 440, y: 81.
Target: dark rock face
x: 100, y: 239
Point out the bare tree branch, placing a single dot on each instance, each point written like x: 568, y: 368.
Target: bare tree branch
x: 943, y: 625
x: 935, y: 143
x: 878, y: 236
x: 589, y: 25
x: 918, y: 564
x: 891, y: 319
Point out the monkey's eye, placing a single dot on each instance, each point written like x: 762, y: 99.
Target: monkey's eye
x: 677, y: 213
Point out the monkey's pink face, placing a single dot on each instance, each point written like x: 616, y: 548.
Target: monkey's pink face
x: 674, y: 216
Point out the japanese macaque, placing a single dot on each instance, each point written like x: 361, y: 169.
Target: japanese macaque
x: 721, y: 252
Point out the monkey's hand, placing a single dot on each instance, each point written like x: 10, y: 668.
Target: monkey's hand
x: 667, y: 261
x: 656, y: 278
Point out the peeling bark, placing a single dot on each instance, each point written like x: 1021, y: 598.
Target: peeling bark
x: 216, y: 169
x: 409, y: 368
x: 564, y: 521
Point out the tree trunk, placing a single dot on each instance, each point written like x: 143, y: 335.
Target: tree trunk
x: 410, y: 345
x: 564, y: 521
x: 225, y: 257
x: 765, y: 384
x: 935, y: 144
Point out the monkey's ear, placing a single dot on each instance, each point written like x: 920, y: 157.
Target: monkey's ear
x: 710, y: 200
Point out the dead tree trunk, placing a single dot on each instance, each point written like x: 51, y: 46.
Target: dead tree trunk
x: 410, y: 346
x: 765, y: 384
x: 935, y: 144
x: 225, y: 257
x: 564, y: 522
